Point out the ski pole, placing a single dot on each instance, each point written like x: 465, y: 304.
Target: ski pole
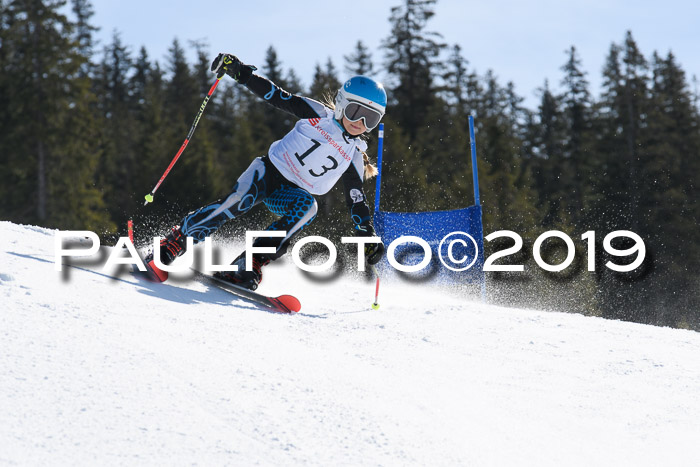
x: 375, y: 305
x: 130, y: 230
x: 149, y: 197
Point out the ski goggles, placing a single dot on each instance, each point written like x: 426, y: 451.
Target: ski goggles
x: 355, y: 111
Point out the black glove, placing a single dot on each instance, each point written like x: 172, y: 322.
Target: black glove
x: 232, y: 66
x: 373, y: 251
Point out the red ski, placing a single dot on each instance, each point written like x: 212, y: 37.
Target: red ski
x: 281, y: 304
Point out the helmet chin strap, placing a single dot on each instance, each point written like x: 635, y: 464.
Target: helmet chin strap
x: 346, y: 135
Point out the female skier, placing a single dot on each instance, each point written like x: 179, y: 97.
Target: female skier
x: 324, y: 146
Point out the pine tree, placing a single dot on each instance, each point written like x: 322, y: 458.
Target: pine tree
x: 272, y: 66
x: 507, y: 193
x: 47, y: 100
x: 463, y: 94
x: 670, y: 175
x: 140, y: 78
x: 360, y: 61
x: 457, y: 80
x: 83, y: 11
x: 204, y: 146
x: 549, y: 164
x: 117, y: 162
x: 622, y: 115
x: 560, y: 140
x: 202, y: 69
x: 294, y: 84
x: 624, y: 110
x: 182, y: 101
x: 635, y: 102
x: 578, y: 146
x: 149, y: 147
x: 12, y: 177
x: 153, y: 149
x: 325, y: 82
x: 412, y: 63
x: 234, y: 133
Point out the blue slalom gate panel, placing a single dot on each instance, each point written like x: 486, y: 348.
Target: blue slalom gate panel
x: 455, y: 238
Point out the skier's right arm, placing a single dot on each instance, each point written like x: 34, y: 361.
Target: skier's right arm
x: 300, y: 107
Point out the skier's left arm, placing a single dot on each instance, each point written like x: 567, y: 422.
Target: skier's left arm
x: 359, y: 211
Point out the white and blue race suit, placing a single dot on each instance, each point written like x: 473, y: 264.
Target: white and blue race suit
x: 307, y: 161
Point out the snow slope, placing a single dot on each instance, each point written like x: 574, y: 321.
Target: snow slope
x: 97, y: 370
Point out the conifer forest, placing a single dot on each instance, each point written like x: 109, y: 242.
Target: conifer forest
x: 87, y: 129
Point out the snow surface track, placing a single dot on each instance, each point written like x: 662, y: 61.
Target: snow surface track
x: 100, y: 371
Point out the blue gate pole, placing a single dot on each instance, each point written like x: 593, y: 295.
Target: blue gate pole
x: 380, y: 149
x: 475, y: 173
x: 477, y: 201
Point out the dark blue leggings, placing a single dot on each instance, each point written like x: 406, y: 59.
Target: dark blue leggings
x: 260, y: 183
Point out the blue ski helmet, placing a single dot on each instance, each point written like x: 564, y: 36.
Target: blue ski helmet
x: 368, y: 93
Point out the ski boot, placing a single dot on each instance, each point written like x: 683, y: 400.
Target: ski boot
x: 173, y: 245
x: 242, y: 278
